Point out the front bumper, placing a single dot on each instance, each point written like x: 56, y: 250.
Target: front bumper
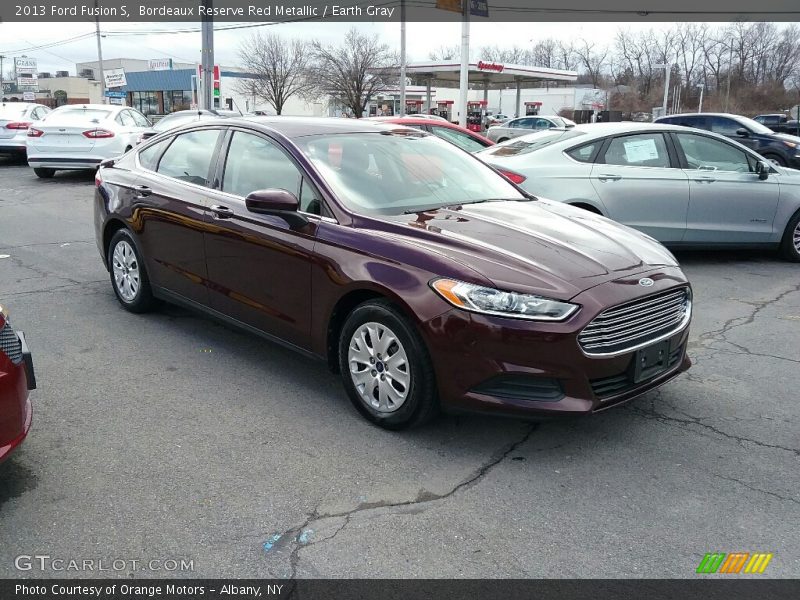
x: 525, y: 368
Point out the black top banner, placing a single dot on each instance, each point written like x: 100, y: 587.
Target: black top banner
x: 735, y: 588
x: 395, y: 10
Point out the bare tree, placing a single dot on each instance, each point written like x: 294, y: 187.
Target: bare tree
x: 445, y: 53
x: 280, y: 68
x: 352, y: 72
x: 592, y: 59
x: 514, y: 55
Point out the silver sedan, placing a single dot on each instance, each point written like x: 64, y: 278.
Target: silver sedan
x: 524, y: 125
x: 682, y: 186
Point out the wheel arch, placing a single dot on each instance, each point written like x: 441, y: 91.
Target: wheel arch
x: 111, y: 227
x: 347, y: 302
x: 586, y: 206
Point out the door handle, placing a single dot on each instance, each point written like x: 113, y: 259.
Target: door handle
x: 222, y: 212
x: 142, y: 190
x: 609, y: 177
x: 705, y: 179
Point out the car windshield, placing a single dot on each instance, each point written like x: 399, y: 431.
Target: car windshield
x: 753, y: 125
x: 531, y: 142
x: 11, y: 111
x: 393, y: 172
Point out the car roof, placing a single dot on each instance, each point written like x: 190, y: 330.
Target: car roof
x: 295, y: 127
x: 705, y: 114
x: 22, y: 104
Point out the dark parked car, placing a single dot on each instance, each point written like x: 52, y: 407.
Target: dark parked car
x: 418, y: 272
x: 779, y: 123
x: 16, y: 379
x: 778, y: 148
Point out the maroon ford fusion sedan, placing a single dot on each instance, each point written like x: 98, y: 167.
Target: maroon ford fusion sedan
x: 416, y: 271
x: 16, y: 379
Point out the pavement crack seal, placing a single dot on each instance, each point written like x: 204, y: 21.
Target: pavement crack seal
x: 292, y: 537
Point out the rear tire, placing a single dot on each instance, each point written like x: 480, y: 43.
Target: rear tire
x: 386, y: 368
x: 128, y: 274
x: 501, y: 140
x: 790, y: 246
x: 44, y: 173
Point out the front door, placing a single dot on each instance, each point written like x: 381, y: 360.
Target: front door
x: 259, y: 266
x: 728, y: 203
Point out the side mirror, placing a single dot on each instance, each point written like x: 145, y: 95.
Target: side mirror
x: 742, y: 132
x: 763, y: 169
x: 278, y: 203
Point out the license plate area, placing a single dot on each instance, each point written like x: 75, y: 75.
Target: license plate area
x: 650, y: 361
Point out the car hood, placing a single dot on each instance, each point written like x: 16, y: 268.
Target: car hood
x: 786, y: 137
x: 539, y: 246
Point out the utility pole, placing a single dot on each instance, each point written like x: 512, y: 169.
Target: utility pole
x: 206, y: 99
x: 103, y: 99
x: 702, y: 89
x: 463, y: 83
x: 402, y: 57
x: 2, y: 58
x: 667, y: 69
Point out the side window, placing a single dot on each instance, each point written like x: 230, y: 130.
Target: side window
x: 462, y: 140
x: 724, y: 125
x: 540, y: 124
x: 514, y: 123
x: 707, y: 153
x: 254, y: 163
x: 310, y: 201
x: 188, y: 158
x: 526, y: 123
x: 125, y: 119
x: 641, y: 150
x: 584, y: 153
x: 148, y: 157
x: 139, y: 118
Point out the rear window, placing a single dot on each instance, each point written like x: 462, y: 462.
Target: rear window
x: 533, y: 142
x: 89, y: 113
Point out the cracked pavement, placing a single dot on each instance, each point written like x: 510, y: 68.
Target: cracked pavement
x: 171, y: 436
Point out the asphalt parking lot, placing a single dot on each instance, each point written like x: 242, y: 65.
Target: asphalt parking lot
x: 169, y: 436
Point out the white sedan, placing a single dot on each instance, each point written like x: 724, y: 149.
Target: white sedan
x: 80, y: 136
x: 15, y: 118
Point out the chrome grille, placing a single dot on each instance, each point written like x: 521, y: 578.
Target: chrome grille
x: 10, y: 344
x: 637, y: 323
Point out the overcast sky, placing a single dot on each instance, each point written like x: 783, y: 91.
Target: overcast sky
x: 422, y: 38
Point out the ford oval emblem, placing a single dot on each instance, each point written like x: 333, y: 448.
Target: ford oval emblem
x: 646, y: 282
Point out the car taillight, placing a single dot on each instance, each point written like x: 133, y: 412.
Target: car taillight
x: 33, y: 132
x: 511, y: 176
x: 98, y: 133
x: 98, y: 179
x: 18, y: 125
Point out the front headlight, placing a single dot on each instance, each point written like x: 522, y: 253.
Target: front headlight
x: 790, y: 144
x: 491, y: 301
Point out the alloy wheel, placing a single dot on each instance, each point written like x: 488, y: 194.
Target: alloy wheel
x: 379, y: 367
x: 126, y: 271
x: 796, y: 237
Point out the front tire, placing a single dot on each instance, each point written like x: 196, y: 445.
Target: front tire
x: 776, y: 160
x: 385, y: 367
x: 44, y: 173
x: 790, y: 246
x: 128, y: 275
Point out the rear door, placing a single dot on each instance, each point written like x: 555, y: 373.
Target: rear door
x: 259, y: 266
x: 638, y: 180
x: 171, y: 213
x: 728, y: 203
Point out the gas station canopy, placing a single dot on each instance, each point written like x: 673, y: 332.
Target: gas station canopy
x: 487, y: 74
